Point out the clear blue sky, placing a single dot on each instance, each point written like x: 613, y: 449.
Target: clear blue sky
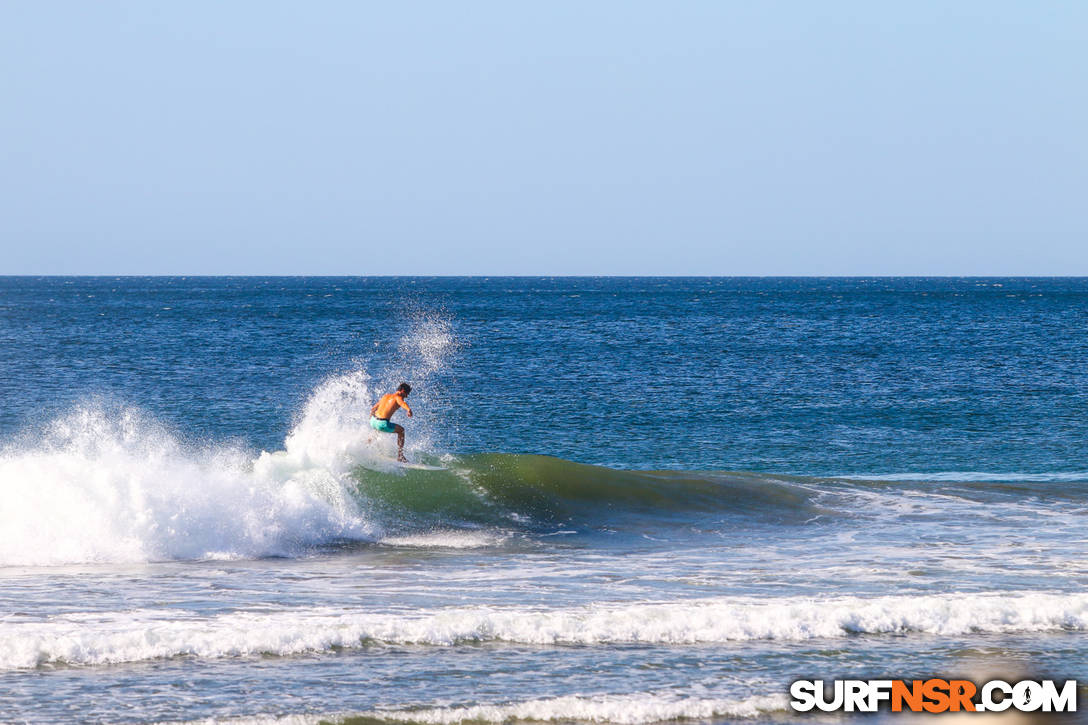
x: 754, y: 137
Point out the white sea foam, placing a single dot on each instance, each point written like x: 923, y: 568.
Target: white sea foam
x: 975, y: 477
x: 625, y: 709
x: 103, y: 485
x: 629, y: 709
x: 92, y: 639
x: 447, y: 539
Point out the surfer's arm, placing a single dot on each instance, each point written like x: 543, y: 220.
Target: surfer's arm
x: 374, y: 408
x: 401, y: 403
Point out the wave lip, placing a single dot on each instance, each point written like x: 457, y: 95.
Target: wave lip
x: 91, y: 639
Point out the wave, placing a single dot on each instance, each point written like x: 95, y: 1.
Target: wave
x: 625, y: 709
x: 106, y: 484
x: 522, y: 490
x: 534, y: 491
x: 102, y: 484
x: 110, y: 638
x: 111, y: 484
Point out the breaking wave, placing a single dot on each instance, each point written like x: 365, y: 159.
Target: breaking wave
x: 626, y: 709
x: 108, y: 638
x: 114, y: 485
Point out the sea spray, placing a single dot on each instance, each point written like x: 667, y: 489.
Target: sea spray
x: 105, y: 485
x: 422, y: 357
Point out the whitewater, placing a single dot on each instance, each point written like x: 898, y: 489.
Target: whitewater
x: 138, y: 635
x: 101, y: 485
x: 867, y: 478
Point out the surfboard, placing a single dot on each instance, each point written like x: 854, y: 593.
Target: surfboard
x: 418, y: 466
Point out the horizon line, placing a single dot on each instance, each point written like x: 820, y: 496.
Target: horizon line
x: 550, y: 276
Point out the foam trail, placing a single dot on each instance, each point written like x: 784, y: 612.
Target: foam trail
x: 94, y: 639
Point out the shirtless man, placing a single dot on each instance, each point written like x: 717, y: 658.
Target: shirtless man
x: 383, y: 410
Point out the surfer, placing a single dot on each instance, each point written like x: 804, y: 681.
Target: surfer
x: 383, y: 410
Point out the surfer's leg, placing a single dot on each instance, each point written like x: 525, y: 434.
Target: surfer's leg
x: 400, y: 443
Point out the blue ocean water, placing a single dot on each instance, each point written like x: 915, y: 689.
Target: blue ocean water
x: 660, y: 498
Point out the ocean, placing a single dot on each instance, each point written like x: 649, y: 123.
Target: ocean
x: 656, y: 498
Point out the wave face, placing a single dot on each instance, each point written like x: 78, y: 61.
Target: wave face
x: 96, y: 639
x: 523, y: 490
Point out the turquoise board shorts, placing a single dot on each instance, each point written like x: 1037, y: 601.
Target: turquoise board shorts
x: 382, y: 424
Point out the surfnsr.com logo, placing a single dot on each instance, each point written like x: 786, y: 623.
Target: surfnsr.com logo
x: 934, y: 695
